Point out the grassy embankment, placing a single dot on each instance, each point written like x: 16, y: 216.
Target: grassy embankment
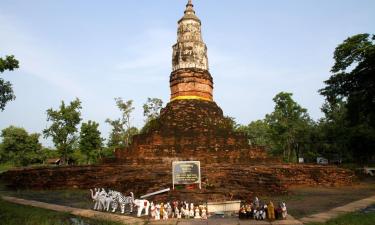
x: 356, y: 218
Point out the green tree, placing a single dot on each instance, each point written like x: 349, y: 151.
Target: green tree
x: 151, y: 109
x: 258, y: 132
x: 288, y: 124
x: 20, y: 147
x: 352, y: 85
x: 122, y: 131
x: 63, y: 128
x: 48, y: 153
x: 116, y: 137
x: 330, y: 138
x: 90, y: 142
x: 353, y: 78
x: 6, y: 90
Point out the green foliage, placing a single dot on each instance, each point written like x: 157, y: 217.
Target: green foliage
x: 90, y: 141
x: 47, y: 153
x: 150, y: 125
x: 230, y: 122
x: 116, y: 137
x: 151, y: 112
x: 129, y: 133
x: 347, y: 131
x: 20, y: 147
x: 13, y: 214
x: 351, y: 89
x: 151, y: 109
x: 286, y: 132
x: 259, y: 133
x: 122, y: 131
x: 9, y: 63
x: 107, y: 152
x: 288, y: 124
x: 6, y: 90
x: 355, y: 86
x: 63, y: 128
x: 77, y: 157
x: 6, y: 93
x: 331, y: 134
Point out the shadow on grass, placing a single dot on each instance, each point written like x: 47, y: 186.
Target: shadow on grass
x: 73, y: 198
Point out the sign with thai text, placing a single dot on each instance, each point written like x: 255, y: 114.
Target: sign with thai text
x: 186, y: 173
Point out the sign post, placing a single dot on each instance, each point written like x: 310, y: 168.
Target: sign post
x: 186, y: 172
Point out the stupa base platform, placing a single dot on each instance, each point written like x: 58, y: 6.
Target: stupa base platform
x: 186, y: 130
x: 223, y: 181
x: 189, y: 129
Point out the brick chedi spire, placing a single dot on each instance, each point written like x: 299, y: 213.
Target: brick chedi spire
x: 190, y: 78
x: 191, y: 126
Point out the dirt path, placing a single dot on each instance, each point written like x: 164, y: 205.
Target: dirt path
x: 351, y: 207
x: 305, y: 201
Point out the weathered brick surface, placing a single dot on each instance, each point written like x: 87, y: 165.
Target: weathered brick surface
x: 192, y: 129
x: 191, y: 82
x: 187, y: 130
x: 227, y: 180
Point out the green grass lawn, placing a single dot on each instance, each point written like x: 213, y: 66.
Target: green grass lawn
x: 356, y: 218
x: 13, y: 214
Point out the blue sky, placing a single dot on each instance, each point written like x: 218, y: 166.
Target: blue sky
x: 99, y: 50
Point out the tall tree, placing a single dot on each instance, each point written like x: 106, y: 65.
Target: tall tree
x: 122, y: 131
x: 6, y: 90
x: 288, y: 123
x: 352, y: 85
x: 90, y: 142
x: 151, y: 109
x: 332, y: 133
x: 63, y: 128
x: 116, y: 137
x: 20, y: 147
x: 353, y: 78
x: 258, y: 132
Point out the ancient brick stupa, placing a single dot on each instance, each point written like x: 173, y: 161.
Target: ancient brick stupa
x: 192, y: 125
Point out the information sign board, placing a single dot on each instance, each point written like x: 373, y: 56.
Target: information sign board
x: 186, y: 173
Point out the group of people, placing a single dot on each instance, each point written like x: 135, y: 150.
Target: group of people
x: 177, y: 210
x: 261, y: 211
